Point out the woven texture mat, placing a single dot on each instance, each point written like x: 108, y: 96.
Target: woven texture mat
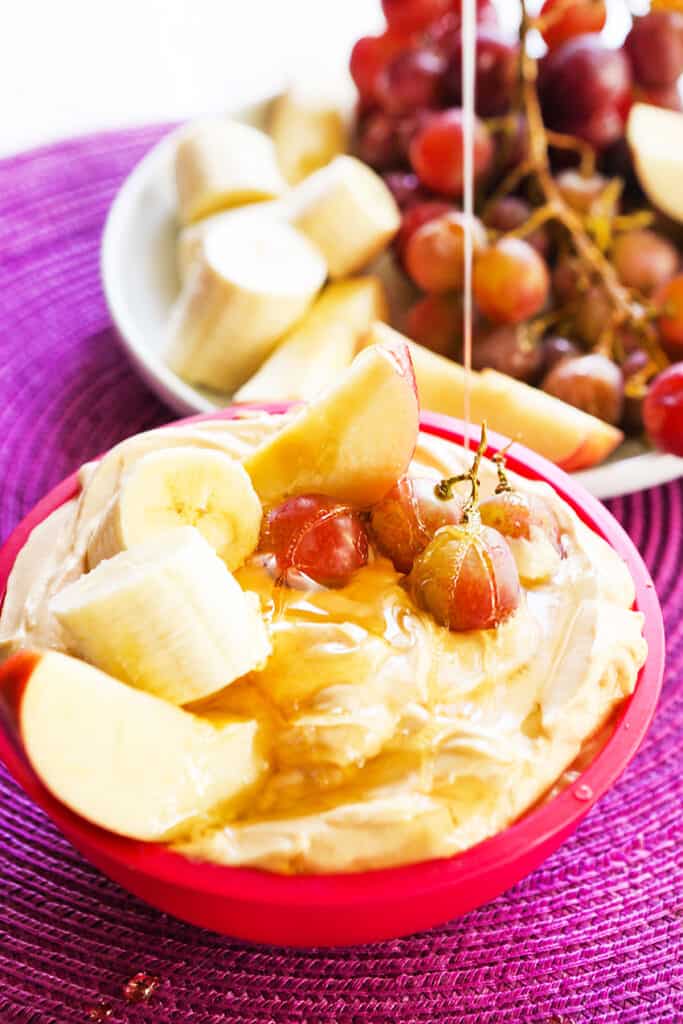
x: 593, y: 935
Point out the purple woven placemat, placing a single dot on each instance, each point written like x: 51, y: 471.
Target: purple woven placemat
x: 593, y: 935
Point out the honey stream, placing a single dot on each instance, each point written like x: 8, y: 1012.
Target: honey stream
x: 469, y: 51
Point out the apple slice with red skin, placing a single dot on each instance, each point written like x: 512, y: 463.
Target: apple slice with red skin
x: 569, y: 437
x: 353, y: 442
x: 123, y: 759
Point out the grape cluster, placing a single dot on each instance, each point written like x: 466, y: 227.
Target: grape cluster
x: 541, y: 315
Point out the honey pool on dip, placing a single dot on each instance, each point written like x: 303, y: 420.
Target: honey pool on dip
x: 357, y: 730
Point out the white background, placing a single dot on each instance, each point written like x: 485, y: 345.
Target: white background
x: 72, y: 66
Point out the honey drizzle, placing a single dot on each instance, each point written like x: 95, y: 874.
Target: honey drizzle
x: 469, y: 51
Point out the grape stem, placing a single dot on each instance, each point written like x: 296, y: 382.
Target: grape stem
x: 444, y: 489
x: 626, y: 308
x: 499, y: 460
x: 560, y: 140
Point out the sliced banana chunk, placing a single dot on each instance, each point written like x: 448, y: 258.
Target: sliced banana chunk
x: 221, y: 163
x: 308, y: 130
x: 182, y: 487
x: 321, y: 346
x: 191, y: 238
x: 165, y: 616
x: 253, y: 279
x: 348, y: 212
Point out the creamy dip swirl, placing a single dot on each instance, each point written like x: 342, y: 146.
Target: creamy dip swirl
x: 389, y: 739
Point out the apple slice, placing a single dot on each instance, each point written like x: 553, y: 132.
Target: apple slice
x: 321, y: 346
x: 655, y: 136
x: 353, y: 442
x: 567, y: 436
x: 124, y: 760
x: 440, y: 381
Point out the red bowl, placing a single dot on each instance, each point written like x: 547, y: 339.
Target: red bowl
x: 330, y: 910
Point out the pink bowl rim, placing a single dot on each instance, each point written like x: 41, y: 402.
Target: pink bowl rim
x: 559, y: 815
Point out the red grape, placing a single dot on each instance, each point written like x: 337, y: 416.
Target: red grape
x: 670, y: 323
x: 593, y: 314
x: 520, y: 515
x: 407, y: 127
x: 415, y: 216
x: 580, y: 17
x: 666, y: 96
x: 581, y: 76
x: 467, y: 578
x: 435, y: 254
x: 580, y: 191
x: 585, y: 90
x: 592, y: 383
x: 556, y: 349
x: 510, y: 350
x: 412, y: 15
x: 369, y: 56
x: 603, y: 128
x: 663, y: 410
x: 635, y: 362
x: 644, y: 260
x: 655, y: 48
x: 510, y: 212
x: 487, y: 14
x: 405, y: 521
x: 376, y: 141
x: 444, y: 33
x: 510, y: 281
x: 412, y: 80
x: 316, y: 536
x: 496, y: 69
x: 435, y: 322
x: 436, y: 152
x: 404, y: 187
x: 565, y: 279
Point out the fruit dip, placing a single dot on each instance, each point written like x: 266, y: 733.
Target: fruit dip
x: 357, y: 730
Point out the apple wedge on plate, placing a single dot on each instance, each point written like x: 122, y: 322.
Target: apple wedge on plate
x: 655, y: 136
x: 567, y: 436
x: 124, y: 760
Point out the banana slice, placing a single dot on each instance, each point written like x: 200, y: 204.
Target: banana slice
x: 221, y: 163
x: 191, y: 238
x: 167, y: 617
x: 253, y: 279
x: 182, y: 487
x: 348, y: 212
x: 321, y: 346
x: 308, y: 132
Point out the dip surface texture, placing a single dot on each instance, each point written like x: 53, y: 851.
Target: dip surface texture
x: 388, y: 739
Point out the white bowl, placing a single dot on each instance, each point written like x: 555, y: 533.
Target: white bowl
x: 140, y: 282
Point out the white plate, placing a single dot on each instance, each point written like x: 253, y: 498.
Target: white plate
x: 140, y: 283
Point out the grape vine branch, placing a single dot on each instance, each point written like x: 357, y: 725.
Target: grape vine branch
x: 627, y: 309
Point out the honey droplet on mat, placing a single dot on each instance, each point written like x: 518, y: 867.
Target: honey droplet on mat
x: 99, y: 1012
x: 141, y: 987
x: 583, y: 792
